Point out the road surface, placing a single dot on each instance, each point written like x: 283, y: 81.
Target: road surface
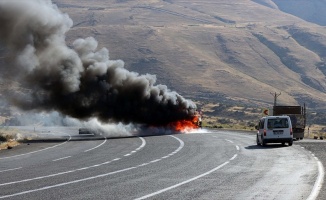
x: 213, y: 164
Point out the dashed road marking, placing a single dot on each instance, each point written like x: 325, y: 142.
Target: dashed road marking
x: 229, y: 141
x: 37, y: 150
x: 61, y: 158
x: 184, y: 182
x: 84, y: 179
x: 234, y: 157
x: 6, y: 170
x: 70, y: 171
x: 96, y: 146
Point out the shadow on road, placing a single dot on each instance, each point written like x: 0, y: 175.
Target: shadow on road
x: 268, y: 146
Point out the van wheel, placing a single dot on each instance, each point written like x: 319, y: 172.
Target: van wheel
x: 290, y: 143
x: 257, y: 141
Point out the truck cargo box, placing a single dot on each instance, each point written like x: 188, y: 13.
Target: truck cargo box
x: 280, y: 110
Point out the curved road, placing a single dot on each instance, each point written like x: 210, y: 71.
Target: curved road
x: 210, y: 165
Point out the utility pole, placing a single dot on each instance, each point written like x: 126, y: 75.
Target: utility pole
x: 275, y: 97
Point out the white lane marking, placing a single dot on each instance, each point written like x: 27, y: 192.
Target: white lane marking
x: 229, y: 141
x: 96, y: 146
x: 184, y: 182
x: 67, y: 183
x: 234, y: 157
x: 144, y: 164
x: 6, y: 170
x: 70, y: 171
x: 142, y: 145
x: 189, y: 180
x: 61, y: 158
x: 37, y: 150
x: 153, y: 161
x: 228, y: 133
x: 238, y: 148
x: 52, y: 175
x: 139, y: 148
x: 182, y: 144
x: 319, y: 182
x: 81, y: 180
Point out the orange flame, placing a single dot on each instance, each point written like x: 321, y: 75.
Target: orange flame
x: 185, y: 125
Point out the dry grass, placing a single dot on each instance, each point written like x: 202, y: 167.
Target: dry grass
x: 8, y: 138
x: 8, y: 145
x: 316, y: 130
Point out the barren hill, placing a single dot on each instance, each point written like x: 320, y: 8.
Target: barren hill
x: 212, y: 49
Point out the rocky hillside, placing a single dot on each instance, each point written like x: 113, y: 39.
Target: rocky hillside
x: 216, y: 50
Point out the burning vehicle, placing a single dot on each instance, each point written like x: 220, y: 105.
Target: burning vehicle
x: 85, y: 131
x: 180, y: 126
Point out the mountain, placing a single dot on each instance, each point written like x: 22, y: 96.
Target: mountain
x: 215, y: 50
x: 311, y: 11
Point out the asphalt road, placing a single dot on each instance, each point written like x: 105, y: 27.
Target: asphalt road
x: 208, y: 165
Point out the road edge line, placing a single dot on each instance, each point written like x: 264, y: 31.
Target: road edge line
x: 319, y: 181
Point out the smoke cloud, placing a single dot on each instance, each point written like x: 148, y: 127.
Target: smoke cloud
x: 79, y: 81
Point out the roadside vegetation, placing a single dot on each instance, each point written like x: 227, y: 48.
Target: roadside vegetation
x: 8, y: 138
x: 227, y: 116
x: 242, y: 117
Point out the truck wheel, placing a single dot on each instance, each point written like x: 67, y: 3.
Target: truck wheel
x: 257, y: 141
x: 290, y: 143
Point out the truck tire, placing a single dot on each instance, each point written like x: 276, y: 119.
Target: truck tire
x: 257, y: 141
x: 290, y: 143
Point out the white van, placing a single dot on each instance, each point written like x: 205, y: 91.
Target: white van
x: 274, y: 129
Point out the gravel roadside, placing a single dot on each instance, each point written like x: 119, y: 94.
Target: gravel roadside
x: 318, y: 148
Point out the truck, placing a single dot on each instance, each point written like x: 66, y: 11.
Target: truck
x: 297, y: 115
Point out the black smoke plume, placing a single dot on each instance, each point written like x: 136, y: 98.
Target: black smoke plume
x: 79, y: 81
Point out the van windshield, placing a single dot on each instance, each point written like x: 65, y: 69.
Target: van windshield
x: 277, y: 123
